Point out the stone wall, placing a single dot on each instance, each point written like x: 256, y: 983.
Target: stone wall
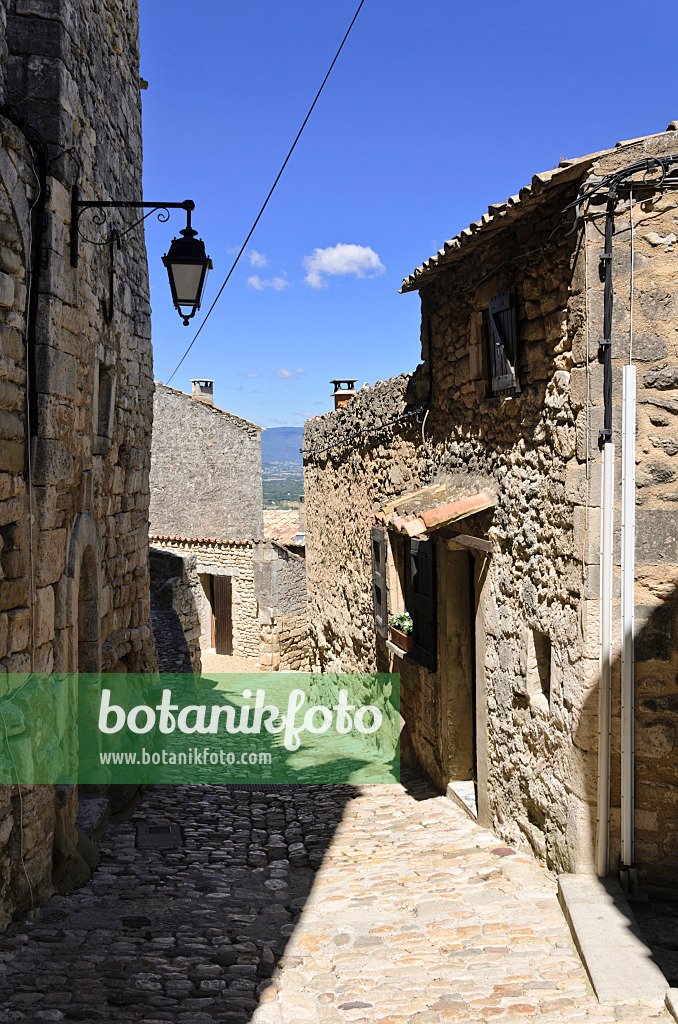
x: 531, y: 627
x: 280, y: 587
x: 224, y: 558
x: 175, y: 588
x: 74, y: 591
x: 206, y: 470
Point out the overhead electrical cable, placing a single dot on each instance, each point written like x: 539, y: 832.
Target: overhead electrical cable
x: 277, y: 179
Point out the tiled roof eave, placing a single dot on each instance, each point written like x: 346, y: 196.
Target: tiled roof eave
x: 497, y: 217
x: 167, y: 538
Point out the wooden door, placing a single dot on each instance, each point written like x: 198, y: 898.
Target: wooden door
x: 222, y: 607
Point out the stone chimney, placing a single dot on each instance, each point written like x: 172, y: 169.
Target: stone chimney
x: 203, y: 390
x: 344, y: 390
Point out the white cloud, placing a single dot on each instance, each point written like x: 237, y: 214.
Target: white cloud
x: 341, y: 259
x: 278, y: 284
x: 257, y: 259
x: 250, y: 373
x: 284, y: 374
x: 300, y: 372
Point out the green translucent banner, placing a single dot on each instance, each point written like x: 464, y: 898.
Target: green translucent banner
x: 280, y: 727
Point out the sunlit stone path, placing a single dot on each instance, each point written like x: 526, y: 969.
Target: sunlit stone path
x: 325, y: 904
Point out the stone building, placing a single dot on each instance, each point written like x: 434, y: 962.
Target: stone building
x: 207, y: 501
x: 469, y: 494
x: 75, y: 395
x: 283, y: 590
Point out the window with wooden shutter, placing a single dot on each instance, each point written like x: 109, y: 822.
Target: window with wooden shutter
x: 378, y: 541
x: 502, y: 335
x: 421, y: 600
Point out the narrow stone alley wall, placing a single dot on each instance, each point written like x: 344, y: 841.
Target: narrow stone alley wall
x: 175, y: 596
x: 75, y: 390
x: 535, y: 601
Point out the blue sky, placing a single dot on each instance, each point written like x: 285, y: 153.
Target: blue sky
x: 433, y: 111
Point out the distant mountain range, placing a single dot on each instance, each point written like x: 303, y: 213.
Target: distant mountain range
x: 280, y: 446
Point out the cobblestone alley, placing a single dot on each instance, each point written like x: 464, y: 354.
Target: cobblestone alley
x: 323, y: 904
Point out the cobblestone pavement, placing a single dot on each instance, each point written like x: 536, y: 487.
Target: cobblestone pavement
x: 212, y: 662
x: 325, y: 904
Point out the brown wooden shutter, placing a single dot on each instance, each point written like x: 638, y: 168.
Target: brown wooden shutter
x: 223, y: 614
x: 503, y: 343
x: 421, y: 599
x: 378, y: 541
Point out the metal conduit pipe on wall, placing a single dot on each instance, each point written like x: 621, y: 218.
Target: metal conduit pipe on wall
x: 628, y: 872
x: 605, y: 663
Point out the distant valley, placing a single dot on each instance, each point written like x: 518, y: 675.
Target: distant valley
x: 282, y: 464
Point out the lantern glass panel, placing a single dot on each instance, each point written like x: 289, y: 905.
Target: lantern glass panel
x: 187, y: 280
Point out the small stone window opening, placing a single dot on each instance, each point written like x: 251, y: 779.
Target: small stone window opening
x: 379, y: 601
x: 501, y: 331
x: 539, y: 668
x: 105, y: 408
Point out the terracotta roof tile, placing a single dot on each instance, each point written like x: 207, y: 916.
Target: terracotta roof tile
x: 281, y: 524
x: 171, y: 538
x: 434, y: 506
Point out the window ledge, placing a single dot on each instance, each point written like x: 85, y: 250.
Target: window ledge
x: 400, y: 653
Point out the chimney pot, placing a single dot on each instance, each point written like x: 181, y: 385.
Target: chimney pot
x: 203, y: 390
x: 344, y: 390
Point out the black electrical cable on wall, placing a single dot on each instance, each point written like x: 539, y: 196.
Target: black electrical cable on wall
x: 39, y: 149
x: 608, y: 299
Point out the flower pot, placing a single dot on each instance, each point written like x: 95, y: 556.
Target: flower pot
x: 405, y: 641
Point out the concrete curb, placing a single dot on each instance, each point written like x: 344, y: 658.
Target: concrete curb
x: 618, y: 961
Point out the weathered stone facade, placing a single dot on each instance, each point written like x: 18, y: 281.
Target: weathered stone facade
x: 280, y: 583
x: 206, y: 470
x: 75, y: 388
x: 223, y: 558
x: 206, y: 486
x: 513, y: 698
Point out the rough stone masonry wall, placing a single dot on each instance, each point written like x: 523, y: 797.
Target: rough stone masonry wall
x: 534, y: 581
x: 72, y: 73
x: 225, y: 559
x: 654, y: 350
x: 540, y: 451
x: 38, y: 812
x: 175, y: 589
x: 206, y: 470
x: 292, y: 610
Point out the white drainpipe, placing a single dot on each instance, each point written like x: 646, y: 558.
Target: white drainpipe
x: 627, y: 622
x: 605, y: 664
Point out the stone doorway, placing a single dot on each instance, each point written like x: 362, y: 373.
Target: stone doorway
x: 457, y: 666
x: 221, y: 600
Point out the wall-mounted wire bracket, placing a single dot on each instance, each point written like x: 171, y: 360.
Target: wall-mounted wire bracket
x: 604, y: 345
x: 79, y: 205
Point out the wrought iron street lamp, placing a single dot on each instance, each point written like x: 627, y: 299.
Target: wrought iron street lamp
x: 187, y: 266
x: 186, y: 262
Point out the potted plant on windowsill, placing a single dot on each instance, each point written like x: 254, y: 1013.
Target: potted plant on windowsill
x: 400, y: 631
